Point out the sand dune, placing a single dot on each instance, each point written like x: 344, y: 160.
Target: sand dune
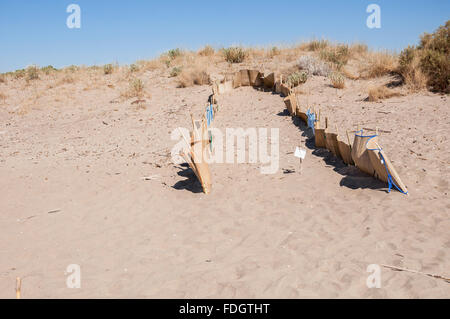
x: 289, y: 235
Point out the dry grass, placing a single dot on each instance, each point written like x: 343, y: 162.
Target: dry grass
x: 66, y: 79
x: 193, y: 77
x: 337, y: 80
x: 207, y: 51
x: 337, y: 55
x: 381, y: 93
x: 378, y: 64
x: 235, y: 54
x: 315, y: 45
x: 32, y: 72
x: 409, y: 68
x: 2, y: 78
x: 135, y: 89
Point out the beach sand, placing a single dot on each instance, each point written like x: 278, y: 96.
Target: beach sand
x: 73, y: 191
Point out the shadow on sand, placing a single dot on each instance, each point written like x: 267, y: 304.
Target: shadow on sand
x: 191, y: 183
x: 352, y: 177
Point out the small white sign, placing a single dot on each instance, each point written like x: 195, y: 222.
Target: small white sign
x: 300, y: 153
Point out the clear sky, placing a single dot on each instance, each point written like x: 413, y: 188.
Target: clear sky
x: 35, y: 31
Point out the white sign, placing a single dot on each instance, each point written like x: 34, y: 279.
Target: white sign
x: 300, y: 153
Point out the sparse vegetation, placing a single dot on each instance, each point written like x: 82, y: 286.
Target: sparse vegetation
x: 337, y: 55
x: 273, y: 51
x: 337, y: 80
x: 297, y: 78
x: 193, y: 77
x: 174, y: 53
x: 108, y: 69
x: 380, y: 93
x: 378, y: 64
x: 235, y: 54
x: 207, y: 51
x: 136, y: 88
x: 317, y: 45
x: 2, y: 78
x: 176, y: 71
x: 32, y: 72
x: 133, y: 68
x: 48, y: 69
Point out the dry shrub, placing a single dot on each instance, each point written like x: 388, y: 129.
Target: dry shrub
x: 32, y: 72
x: 66, y: 79
x: 136, y: 87
x: 337, y: 55
x: 337, y: 80
x: 207, y: 51
x: 151, y: 65
x: 176, y: 71
x: 2, y: 78
x: 48, y: 69
x: 193, y: 77
x: 272, y: 52
x: 174, y: 53
x: 378, y: 64
x: 380, y: 93
x: 434, y: 55
x: 316, y: 45
x: 235, y: 54
x: 108, y: 69
x: 296, y: 78
x: 348, y: 74
x: 313, y: 66
x: 358, y: 49
x: 409, y: 68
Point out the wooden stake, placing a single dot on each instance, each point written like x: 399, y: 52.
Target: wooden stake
x: 326, y: 122
x: 18, y: 287
x: 348, y: 138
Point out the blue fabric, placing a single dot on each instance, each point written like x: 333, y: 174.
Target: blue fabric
x: 311, y: 120
x: 209, y: 114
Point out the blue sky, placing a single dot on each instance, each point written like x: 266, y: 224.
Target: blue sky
x: 35, y: 31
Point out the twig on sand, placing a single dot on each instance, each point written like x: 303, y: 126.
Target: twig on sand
x: 18, y: 287
x: 417, y: 272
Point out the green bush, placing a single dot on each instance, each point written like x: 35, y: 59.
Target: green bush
x: 174, y: 53
x: 235, y: 54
